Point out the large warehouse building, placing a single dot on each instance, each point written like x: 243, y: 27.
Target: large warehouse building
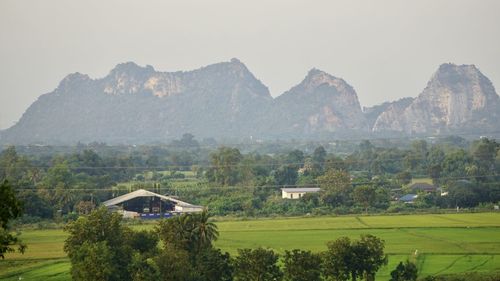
x: 146, y: 204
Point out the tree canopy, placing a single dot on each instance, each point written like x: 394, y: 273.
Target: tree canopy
x: 10, y: 209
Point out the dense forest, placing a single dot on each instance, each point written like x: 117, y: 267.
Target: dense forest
x: 245, y: 179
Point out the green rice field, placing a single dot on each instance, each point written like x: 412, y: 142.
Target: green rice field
x: 439, y: 244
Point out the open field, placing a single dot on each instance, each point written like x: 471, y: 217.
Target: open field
x: 446, y: 243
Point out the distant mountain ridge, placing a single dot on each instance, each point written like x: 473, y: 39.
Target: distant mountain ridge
x: 320, y: 103
x: 458, y: 98
x: 135, y: 104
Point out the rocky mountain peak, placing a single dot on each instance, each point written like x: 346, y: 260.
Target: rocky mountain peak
x: 73, y: 80
x: 316, y: 78
x: 130, y: 69
x: 320, y: 103
x: 127, y: 78
x: 456, y: 97
x: 236, y: 61
x: 233, y: 67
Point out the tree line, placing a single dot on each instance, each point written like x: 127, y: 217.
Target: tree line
x: 58, y: 183
x: 100, y: 247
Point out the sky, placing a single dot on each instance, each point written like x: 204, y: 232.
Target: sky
x: 385, y: 49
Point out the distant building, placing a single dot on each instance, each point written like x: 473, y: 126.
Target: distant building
x: 146, y: 204
x: 408, y: 198
x: 297, y: 192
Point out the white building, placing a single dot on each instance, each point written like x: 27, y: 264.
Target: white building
x: 146, y: 204
x: 297, y: 192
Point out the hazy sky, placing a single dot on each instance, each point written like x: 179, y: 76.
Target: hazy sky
x: 385, y: 49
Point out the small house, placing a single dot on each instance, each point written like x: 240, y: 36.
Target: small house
x: 297, y: 192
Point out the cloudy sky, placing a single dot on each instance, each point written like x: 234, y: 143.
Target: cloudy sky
x: 385, y: 49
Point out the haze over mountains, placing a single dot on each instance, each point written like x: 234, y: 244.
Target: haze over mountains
x: 134, y: 104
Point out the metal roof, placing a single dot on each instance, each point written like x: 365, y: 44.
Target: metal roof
x: 144, y: 193
x: 300, y: 189
x: 408, y: 197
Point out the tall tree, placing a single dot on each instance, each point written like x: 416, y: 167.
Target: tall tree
x: 335, y: 187
x: 173, y: 264
x: 97, y: 247
x: 224, y: 166
x: 364, y: 195
x: 295, y: 158
x: 213, y: 265
x: 369, y: 256
x: 301, y: 266
x: 361, y: 259
x: 286, y: 175
x: 484, y: 153
x: 338, y: 260
x: 404, y: 272
x: 14, y: 167
x: 190, y: 232
x: 204, y: 231
x: 318, y: 160
x: 257, y: 265
x: 10, y: 209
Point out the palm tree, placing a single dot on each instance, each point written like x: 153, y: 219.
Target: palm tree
x: 204, y: 232
x: 190, y: 232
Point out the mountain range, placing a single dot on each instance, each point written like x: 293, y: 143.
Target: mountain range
x: 135, y: 104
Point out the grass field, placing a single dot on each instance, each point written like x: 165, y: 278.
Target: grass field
x: 446, y: 243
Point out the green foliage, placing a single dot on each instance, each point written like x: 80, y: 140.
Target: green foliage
x: 295, y: 158
x: 101, y: 248
x: 53, y: 181
x: 346, y: 260
x: 286, y: 175
x: 213, y: 265
x: 10, y: 206
x: 454, y: 165
x: 335, y: 187
x: 14, y: 167
x: 174, y: 264
x: 318, y: 160
x: 478, y: 233
x: 484, y: 152
x: 99, y: 234
x: 257, y: 265
x: 364, y: 195
x: 301, y: 265
x: 94, y: 261
x: 224, y: 169
x: 34, y: 205
x: 144, y: 268
x: 405, y: 272
x: 186, y: 142
x: 404, y: 178
x: 338, y: 260
x: 143, y: 241
x: 10, y: 209
x: 192, y: 233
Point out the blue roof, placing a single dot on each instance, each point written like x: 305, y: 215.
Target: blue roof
x: 408, y: 197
